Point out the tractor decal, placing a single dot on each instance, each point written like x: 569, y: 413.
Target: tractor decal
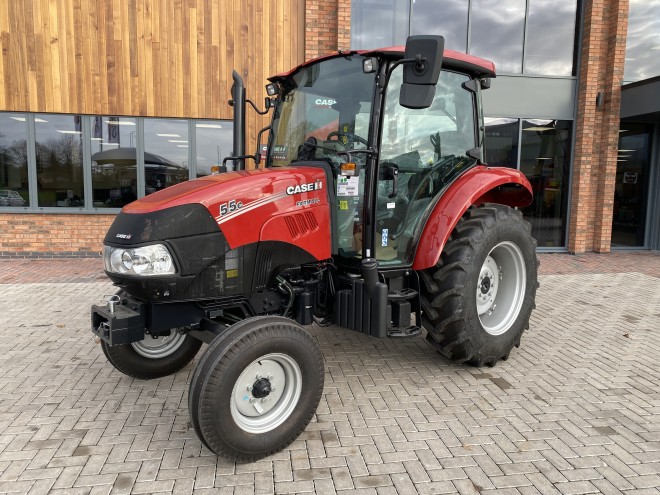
x: 249, y: 207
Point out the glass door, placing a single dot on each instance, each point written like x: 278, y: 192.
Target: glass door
x: 631, y: 188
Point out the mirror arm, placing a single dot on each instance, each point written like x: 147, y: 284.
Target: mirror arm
x: 348, y: 153
x: 418, y: 60
x: 258, y: 153
x: 260, y: 112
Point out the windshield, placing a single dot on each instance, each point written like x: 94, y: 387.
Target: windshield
x: 330, y: 102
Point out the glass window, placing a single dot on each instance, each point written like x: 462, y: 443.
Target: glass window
x: 501, y: 142
x: 496, y: 32
x: 13, y: 160
x: 545, y: 160
x: 213, y: 142
x: 428, y: 149
x: 59, y: 160
x: 448, y: 18
x: 114, y: 161
x: 550, y: 43
x: 378, y: 23
x: 631, y: 187
x: 165, y: 153
x: 643, y: 43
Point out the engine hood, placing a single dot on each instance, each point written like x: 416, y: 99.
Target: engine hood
x: 282, y: 204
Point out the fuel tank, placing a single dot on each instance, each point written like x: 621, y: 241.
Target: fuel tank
x: 229, y: 232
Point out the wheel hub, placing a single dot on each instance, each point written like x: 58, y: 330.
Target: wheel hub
x: 488, y: 285
x: 501, y: 288
x: 266, y: 393
x: 261, y: 388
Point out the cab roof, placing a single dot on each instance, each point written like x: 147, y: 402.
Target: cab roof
x: 451, y: 60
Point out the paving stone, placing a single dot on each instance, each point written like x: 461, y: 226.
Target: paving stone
x: 574, y: 410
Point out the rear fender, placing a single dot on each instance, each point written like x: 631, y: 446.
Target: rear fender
x: 477, y: 186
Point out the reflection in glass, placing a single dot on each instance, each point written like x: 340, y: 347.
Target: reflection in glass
x: 448, y: 18
x: 213, y: 142
x: 165, y: 153
x: 59, y: 160
x: 643, y: 42
x: 379, y: 23
x: 428, y: 149
x: 550, y: 43
x: 501, y: 142
x: 13, y: 160
x: 114, y: 161
x: 631, y: 188
x: 545, y: 160
x: 496, y: 32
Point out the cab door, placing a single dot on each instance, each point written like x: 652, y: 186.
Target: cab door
x: 425, y: 149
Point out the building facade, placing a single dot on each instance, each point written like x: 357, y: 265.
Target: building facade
x: 105, y: 102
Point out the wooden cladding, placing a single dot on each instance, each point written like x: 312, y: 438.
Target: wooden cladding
x: 167, y: 58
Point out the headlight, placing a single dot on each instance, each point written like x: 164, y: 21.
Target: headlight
x: 146, y: 260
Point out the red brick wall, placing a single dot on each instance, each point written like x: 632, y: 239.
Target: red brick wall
x: 601, y: 71
x: 45, y: 235
x: 327, y: 27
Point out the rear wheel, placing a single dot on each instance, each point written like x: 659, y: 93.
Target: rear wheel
x: 153, y: 357
x: 478, y: 299
x: 256, y: 388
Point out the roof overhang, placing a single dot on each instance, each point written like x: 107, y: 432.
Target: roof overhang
x: 640, y: 101
x: 451, y: 60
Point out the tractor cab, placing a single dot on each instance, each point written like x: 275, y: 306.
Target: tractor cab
x: 390, y: 158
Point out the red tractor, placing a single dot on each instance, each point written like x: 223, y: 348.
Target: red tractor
x: 375, y: 211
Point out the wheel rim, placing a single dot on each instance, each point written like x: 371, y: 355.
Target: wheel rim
x: 156, y: 348
x: 266, y: 393
x: 501, y: 288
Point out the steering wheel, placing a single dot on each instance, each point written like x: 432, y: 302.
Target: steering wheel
x: 428, y: 175
x: 347, y: 135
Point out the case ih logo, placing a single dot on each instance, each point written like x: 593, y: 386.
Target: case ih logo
x: 301, y: 188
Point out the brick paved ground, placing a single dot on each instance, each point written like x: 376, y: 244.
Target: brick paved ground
x: 575, y: 410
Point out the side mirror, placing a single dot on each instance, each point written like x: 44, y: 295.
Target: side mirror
x: 423, y: 60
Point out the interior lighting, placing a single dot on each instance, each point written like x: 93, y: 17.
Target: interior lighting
x: 168, y: 135
x: 209, y: 126
x: 68, y: 132
x: 119, y: 122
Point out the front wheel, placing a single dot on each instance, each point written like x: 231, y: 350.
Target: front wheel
x: 256, y: 388
x: 478, y: 299
x: 153, y: 357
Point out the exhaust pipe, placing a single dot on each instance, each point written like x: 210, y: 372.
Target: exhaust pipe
x: 238, y: 102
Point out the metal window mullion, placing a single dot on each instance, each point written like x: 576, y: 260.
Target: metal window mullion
x: 139, y: 152
x: 468, y: 33
x: 88, y: 190
x: 410, y: 16
x: 519, y: 158
x: 32, y: 162
x: 192, y: 146
x: 524, y: 47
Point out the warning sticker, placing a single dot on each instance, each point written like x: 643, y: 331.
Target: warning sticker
x: 348, y: 186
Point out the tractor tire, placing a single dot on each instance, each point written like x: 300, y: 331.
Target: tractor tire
x: 256, y: 388
x: 153, y: 358
x: 476, y: 302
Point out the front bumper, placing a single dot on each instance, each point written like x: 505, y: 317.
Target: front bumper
x: 123, y: 324
x: 129, y: 319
